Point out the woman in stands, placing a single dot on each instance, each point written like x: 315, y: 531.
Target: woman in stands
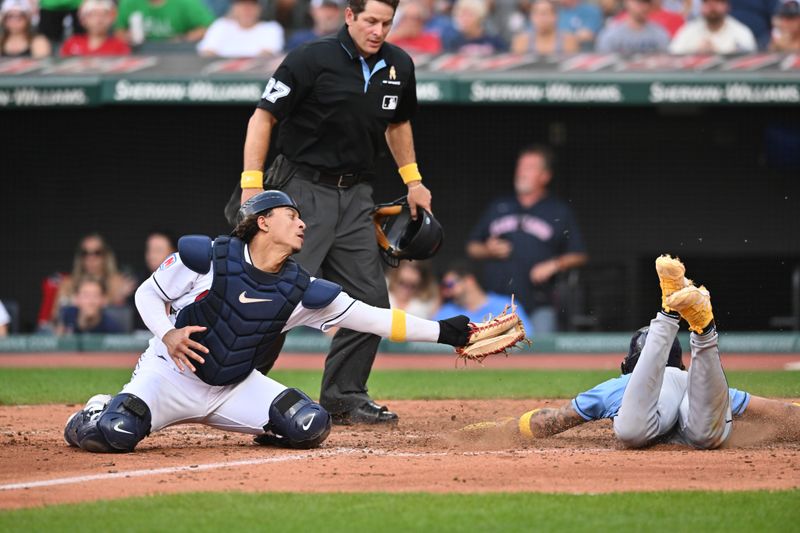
x: 543, y: 37
x: 18, y: 37
x: 95, y: 259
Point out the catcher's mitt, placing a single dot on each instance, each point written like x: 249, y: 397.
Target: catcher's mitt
x: 496, y: 335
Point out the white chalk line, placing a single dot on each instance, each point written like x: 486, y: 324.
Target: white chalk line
x: 320, y: 454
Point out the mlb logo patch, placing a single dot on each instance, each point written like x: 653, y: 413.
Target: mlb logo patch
x: 389, y: 102
x: 168, y: 262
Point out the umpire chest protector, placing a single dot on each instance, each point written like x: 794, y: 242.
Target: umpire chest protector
x: 245, y: 308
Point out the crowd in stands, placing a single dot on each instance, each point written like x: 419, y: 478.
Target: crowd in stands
x: 251, y: 28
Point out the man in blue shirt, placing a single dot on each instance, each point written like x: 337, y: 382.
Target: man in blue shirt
x: 466, y: 297
x: 581, y: 19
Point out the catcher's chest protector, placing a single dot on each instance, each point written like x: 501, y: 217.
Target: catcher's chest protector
x: 244, y: 311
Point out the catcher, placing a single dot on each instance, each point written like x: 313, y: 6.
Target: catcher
x: 230, y: 300
x: 656, y: 400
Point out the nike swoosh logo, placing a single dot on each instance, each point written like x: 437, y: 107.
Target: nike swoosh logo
x: 117, y: 428
x: 308, y: 424
x: 245, y: 300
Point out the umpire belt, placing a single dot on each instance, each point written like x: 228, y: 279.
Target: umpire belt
x: 339, y: 181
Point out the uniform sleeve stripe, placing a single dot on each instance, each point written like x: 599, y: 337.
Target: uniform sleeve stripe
x: 340, y: 315
x: 580, y: 411
x: 162, y: 290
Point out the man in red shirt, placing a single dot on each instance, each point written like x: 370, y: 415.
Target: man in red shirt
x: 668, y: 20
x: 97, y: 16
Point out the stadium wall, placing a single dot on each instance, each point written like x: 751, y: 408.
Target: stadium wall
x: 719, y: 186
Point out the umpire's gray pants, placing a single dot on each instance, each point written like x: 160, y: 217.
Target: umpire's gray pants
x: 340, y: 246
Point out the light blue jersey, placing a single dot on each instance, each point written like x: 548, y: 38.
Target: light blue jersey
x: 603, y: 400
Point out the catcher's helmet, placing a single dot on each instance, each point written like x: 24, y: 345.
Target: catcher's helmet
x: 264, y: 201
x: 675, y: 358
x: 401, y: 237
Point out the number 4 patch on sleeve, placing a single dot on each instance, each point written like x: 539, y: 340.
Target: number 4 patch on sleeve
x: 275, y: 90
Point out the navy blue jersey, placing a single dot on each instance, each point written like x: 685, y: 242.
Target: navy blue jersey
x: 543, y: 231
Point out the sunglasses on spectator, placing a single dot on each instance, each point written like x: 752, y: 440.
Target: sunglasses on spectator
x: 450, y: 283
x: 15, y: 15
x: 96, y: 251
x: 411, y: 285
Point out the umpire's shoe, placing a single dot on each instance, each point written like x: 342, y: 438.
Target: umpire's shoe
x: 368, y: 413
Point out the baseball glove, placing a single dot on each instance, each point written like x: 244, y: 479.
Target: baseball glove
x: 496, y: 335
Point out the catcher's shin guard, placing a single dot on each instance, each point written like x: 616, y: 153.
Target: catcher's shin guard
x: 295, y: 421
x: 119, y: 428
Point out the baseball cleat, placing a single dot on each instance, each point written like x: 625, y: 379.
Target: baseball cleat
x: 671, y: 277
x: 694, y: 305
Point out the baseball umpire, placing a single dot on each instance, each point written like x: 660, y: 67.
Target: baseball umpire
x: 334, y: 100
x: 229, y: 299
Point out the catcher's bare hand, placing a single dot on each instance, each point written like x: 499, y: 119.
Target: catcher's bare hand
x: 418, y: 195
x: 181, y: 348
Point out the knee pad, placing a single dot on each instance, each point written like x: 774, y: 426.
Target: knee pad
x: 119, y: 428
x: 296, y: 421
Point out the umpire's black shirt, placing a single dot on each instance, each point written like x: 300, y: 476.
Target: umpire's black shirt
x: 334, y: 106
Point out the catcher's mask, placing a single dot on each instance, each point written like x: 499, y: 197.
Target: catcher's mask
x: 401, y: 237
x: 264, y: 201
x: 675, y: 358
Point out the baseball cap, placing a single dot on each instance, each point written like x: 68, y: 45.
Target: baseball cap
x: 16, y: 5
x: 789, y: 9
x: 331, y: 3
x: 91, y: 5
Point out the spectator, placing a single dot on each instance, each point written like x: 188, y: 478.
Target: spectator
x: 292, y: 15
x: 756, y: 15
x: 581, y: 19
x: 95, y: 259
x: 471, y: 37
x: 715, y: 32
x: 544, y: 37
x: 440, y: 20
x: 527, y: 239
x: 87, y: 314
x: 157, y: 247
x: 241, y: 34
x: 59, y: 20
x: 162, y: 20
x: 328, y: 17
x: 465, y: 296
x: 412, y: 288
x: 408, y: 30
x: 786, y: 37
x: 5, y: 320
x: 668, y: 20
x: 97, y: 16
x: 634, y: 35
x: 17, y: 35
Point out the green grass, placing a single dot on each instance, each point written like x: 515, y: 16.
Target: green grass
x: 353, y: 513
x: 37, y: 386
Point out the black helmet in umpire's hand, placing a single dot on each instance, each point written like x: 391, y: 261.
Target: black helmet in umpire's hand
x: 264, y: 201
x: 401, y: 237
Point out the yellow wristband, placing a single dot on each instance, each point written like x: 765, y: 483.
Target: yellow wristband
x: 252, y: 179
x: 525, y: 423
x: 409, y: 173
x: 398, y: 331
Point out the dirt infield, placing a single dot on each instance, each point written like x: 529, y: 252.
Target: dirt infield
x: 389, y: 361
x: 423, y: 453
